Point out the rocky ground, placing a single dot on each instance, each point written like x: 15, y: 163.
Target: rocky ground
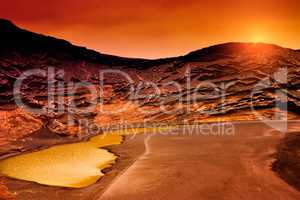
x: 288, y: 159
x: 233, y: 81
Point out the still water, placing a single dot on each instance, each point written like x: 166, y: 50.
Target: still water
x: 71, y: 165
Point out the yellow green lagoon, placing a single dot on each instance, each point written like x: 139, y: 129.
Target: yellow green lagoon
x: 74, y: 165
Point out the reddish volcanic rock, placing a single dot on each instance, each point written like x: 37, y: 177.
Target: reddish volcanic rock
x: 5, y: 194
x: 16, y: 124
x: 239, y: 67
x: 287, y: 163
x: 236, y: 71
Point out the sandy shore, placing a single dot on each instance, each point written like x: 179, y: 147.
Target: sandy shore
x: 184, y: 166
x: 128, y: 152
x: 205, y: 167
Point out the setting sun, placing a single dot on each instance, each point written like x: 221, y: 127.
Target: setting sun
x: 159, y: 28
x: 257, y: 38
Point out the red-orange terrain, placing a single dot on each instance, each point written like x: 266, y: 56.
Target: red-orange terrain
x: 226, y: 82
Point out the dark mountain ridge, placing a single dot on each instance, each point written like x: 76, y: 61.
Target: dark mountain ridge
x: 244, y: 63
x: 15, y: 39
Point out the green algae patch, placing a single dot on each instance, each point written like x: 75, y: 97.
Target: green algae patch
x: 72, y: 165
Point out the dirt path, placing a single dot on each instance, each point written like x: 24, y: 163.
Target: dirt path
x: 197, y: 166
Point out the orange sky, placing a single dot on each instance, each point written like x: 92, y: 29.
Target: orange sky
x: 159, y: 28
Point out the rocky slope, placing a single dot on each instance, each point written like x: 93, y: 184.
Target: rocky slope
x: 232, y: 81
x: 221, y: 82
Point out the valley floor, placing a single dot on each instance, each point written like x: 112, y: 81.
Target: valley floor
x: 181, y: 164
x: 205, y: 167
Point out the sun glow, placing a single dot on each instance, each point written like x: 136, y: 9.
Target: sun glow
x: 260, y: 36
x: 258, y: 39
